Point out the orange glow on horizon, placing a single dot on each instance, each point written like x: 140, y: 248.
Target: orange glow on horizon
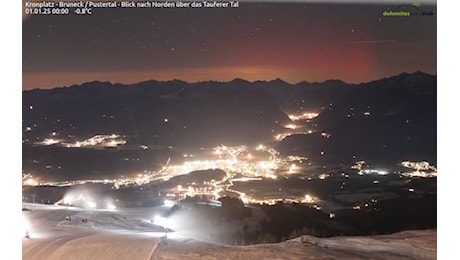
x: 252, y: 73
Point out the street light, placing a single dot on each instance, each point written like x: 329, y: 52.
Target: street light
x: 162, y: 221
x: 67, y: 203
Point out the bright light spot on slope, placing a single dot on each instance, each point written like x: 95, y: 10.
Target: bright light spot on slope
x: 291, y: 126
x: 30, y: 182
x: 292, y: 168
x: 49, y: 141
x: 303, y: 116
x: 161, y: 221
x: 169, y: 203
x: 372, y: 171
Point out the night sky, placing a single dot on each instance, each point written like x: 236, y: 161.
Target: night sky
x: 257, y: 41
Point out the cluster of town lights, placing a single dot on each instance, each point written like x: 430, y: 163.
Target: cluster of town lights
x: 112, y: 140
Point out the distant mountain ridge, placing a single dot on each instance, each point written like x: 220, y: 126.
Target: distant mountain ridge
x: 415, y: 75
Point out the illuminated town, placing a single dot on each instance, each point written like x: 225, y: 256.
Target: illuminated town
x: 240, y: 164
x: 422, y: 169
x: 106, y: 141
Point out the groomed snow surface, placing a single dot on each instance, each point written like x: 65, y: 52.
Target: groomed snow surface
x: 129, y: 234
